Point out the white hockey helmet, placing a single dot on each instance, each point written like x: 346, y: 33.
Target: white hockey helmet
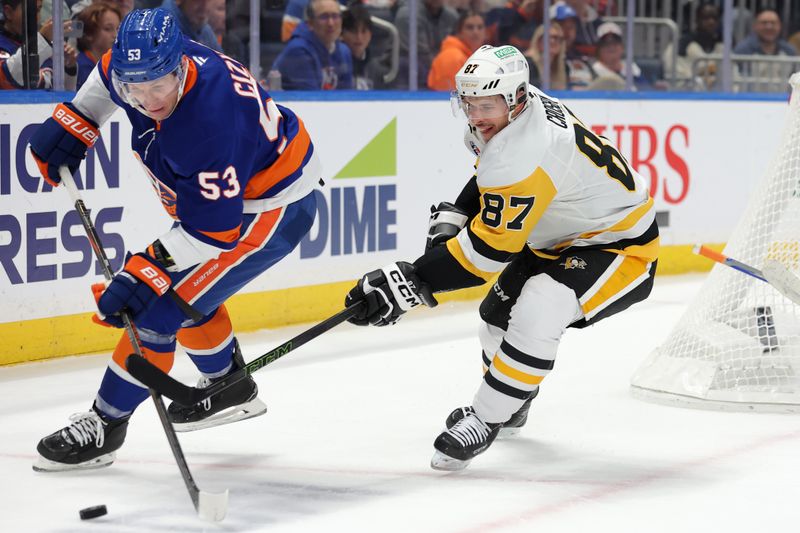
x: 493, y: 70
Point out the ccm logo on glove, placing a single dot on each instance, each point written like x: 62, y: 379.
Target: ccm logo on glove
x: 404, y: 289
x: 71, y: 122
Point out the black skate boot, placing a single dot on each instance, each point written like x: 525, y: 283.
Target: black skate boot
x: 88, y: 442
x: 518, y: 419
x: 237, y: 402
x: 466, y: 438
x: 510, y: 427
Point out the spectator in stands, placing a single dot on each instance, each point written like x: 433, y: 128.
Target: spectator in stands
x: 230, y: 43
x: 606, y: 7
x: 11, y: 58
x: 356, y: 34
x: 579, y: 69
x: 794, y: 41
x: 315, y: 58
x: 124, y: 6
x: 514, y: 23
x: 765, y: 41
x: 610, y: 67
x: 558, y: 58
x: 703, y: 41
x: 293, y: 16
x: 588, y: 22
x: 470, y: 34
x: 766, y: 37
x: 192, y: 19
x: 215, y: 12
x: 462, y: 6
x: 100, y: 23
x: 435, y: 21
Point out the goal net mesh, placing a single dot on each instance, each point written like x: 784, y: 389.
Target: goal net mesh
x: 737, y: 346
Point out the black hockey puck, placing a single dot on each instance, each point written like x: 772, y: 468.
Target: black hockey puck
x: 93, y: 512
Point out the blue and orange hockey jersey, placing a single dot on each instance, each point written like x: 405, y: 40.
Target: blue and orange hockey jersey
x: 227, y: 149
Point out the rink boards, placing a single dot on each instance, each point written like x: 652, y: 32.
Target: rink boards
x: 386, y: 159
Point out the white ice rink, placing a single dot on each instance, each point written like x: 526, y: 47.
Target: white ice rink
x: 346, y: 443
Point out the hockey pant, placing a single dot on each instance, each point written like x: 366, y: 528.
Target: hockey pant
x: 266, y: 239
x: 531, y: 305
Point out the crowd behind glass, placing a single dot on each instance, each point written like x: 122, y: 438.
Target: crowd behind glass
x: 571, y: 45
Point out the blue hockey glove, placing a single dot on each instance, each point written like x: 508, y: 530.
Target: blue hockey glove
x: 136, y: 288
x: 389, y: 293
x: 62, y: 139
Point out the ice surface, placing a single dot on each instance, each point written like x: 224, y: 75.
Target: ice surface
x: 346, y: 442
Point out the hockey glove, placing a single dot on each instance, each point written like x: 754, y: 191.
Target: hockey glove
x: 136, y: 288
x: 389, y: 293
x: 445, y: 223
x: 62, y: 139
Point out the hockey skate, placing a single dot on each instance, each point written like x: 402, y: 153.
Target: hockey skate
x: 89, y: 441
x: 237, y: 402
x: 518, y: 419
x: 466, y: 438
x: 510, y: 428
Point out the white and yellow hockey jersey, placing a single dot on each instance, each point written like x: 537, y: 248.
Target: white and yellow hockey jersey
x: 547, y: 181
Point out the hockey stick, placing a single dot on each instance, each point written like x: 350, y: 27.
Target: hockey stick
x: 152, y: 376
x: 775, y: 273
x: 209, y: 506
x: 723, y: 259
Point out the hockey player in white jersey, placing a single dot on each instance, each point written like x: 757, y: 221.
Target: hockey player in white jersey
x: 555, y: 208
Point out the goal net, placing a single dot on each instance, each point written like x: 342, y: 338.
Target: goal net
x: 737, y: 347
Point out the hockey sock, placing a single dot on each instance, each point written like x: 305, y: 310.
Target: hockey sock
x: 119, y: 392
x: 210, y: 344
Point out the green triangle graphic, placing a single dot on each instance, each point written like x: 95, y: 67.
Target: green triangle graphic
x: 377, y: 158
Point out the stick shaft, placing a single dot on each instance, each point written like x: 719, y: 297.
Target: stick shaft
x: 186, y: 395
x: 721, y: 258
x: 775, y: 273
x: 91, y: 233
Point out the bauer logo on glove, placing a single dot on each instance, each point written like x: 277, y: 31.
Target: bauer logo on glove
x: 77, y: 126
x: 62, y: 140
x: 135, y: 289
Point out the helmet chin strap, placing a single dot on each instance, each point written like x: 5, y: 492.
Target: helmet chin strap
x: 477, y: 138
x: 184, y: 74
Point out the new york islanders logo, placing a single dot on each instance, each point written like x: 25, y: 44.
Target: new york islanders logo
x: 168, y: 197
x: 573, y: 262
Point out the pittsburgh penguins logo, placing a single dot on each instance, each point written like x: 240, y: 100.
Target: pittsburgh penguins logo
x: 571, y: 263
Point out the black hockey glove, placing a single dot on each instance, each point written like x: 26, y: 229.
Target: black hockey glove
x: 445, y: 223
x: 389, y: 293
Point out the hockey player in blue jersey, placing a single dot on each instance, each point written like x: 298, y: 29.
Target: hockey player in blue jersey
x: 234, y: 170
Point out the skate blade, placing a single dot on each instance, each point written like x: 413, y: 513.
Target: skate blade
x: 253, y: 408
x: 440, y: 461
x: 506, y: 433
x: 46, y: 465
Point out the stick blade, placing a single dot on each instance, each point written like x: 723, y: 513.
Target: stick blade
x: 212, y: 506
x: 784, y: 281
x: 152, y: 376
